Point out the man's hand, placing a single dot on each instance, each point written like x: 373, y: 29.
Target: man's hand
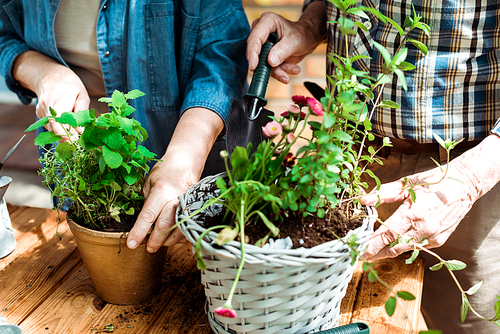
x: 54, y: 84
x: 296, y: 40
x: 181, y: 166
x: 438, y: 207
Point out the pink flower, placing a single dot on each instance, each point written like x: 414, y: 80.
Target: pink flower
x: 293, y: 109
x: 272, y: 129
x: 284, y: 114
x: 226, y: 312
x: 315, y: 106
x: 290, y: 138
x: 300, y: 100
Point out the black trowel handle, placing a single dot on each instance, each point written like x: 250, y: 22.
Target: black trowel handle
x: 261, y: 75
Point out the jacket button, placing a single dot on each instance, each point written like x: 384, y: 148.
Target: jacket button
x: 368, y: 25
x: 107, y: 53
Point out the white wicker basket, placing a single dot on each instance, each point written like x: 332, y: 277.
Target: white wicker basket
x: 289, y: 291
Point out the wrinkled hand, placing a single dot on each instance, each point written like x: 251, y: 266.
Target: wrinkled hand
x: 63, y: 91
x: 435, y: 214
x: 54, y: 84
x: 181, y: 166
x: 162, y: 187
x: 296, y: 40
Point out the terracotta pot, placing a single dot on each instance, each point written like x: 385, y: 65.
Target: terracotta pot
x: 121, y: 275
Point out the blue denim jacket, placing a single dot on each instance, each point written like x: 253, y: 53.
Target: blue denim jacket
x: 182, y: 54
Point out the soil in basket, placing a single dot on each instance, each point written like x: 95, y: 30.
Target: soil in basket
x: 304, y: 232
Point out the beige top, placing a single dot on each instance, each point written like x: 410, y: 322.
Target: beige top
x: 75, y: 32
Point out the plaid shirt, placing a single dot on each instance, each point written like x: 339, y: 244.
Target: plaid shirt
x: 455, y: 89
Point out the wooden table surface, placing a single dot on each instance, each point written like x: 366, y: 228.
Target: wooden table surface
x: 45, y: 288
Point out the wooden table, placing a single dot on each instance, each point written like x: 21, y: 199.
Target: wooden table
x: 45, y: 288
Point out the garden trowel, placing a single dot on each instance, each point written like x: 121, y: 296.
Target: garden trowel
x: 247, y: 117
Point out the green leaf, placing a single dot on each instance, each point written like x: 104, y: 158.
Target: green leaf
x: 389, y: 104
x: 383, y: 51
x: 405, y: 66
x: 118, y: 99
x: 455, y: 265
x: 373, y: 276
x: 437, y: 266
x: 361, y: 26
x: 402, y: 78
x: 405, y: 295
x: 45, y: 138
x: 114, y: 139
x: 64, y: 151
x: 133, y: 94
x: 113, y: 159
x: 439, y: 140
x: 274, y: 230
x: 400, y: 56
x: 38, y: 124
x: 464, y: 308
x: 413, y: 196
x: 375, y: 12
x: 419, y: 45
x: 128, y: 125
x: 430, y: 331
x: 67, y: 118
x: 397, y: 26
x: 52, y: 112
x: 474, y: 288
x: 358, y: 12
x: 413, y: 256
x: 390, y: 306
x: 329, y: 120
x: 342, y: 136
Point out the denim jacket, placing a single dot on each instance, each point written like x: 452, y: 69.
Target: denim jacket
x: 182, y: 54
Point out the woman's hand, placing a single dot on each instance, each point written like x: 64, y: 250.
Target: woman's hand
x: 54, y: 84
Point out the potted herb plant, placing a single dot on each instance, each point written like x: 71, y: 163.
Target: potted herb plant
x: 101, y: 172
x: 277, y: 234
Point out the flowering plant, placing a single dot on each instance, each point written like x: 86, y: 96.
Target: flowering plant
x: 315, y: 154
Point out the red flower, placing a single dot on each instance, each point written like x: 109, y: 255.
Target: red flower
x: 300, y: 100
x: 289, y: 160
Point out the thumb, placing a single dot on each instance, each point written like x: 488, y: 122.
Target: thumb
x: 388, y: 193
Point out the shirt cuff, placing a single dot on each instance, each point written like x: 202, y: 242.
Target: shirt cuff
x: 496, y: 128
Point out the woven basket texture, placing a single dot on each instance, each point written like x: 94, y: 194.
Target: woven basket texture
x: 288, y: 291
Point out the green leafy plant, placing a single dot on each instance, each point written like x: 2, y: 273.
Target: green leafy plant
x: 102, y: 170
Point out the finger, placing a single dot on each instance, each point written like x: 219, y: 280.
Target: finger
x: 175, y: 237
x: 151, y: 209
x: 163, y: 227
x: 388, y: 193
x: 261, y: 28
x: 379, y: 241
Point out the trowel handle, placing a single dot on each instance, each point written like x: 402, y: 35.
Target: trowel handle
x: 261, y: 75
x: 355, y: 328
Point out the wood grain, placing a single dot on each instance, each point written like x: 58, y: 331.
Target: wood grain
x: 45, y: 288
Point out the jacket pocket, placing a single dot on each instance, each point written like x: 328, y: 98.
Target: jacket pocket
x: 168, y: 63
x: 12, y: 13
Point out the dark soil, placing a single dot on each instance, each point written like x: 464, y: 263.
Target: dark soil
x: 305, y: 232
x: 107, y: 224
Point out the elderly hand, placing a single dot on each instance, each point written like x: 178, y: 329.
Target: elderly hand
x: 54, y: 84
x: 439, y: 207
x: 296, y: 40
x: 181, y: 166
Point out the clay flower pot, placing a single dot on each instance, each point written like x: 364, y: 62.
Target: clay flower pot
x: 121, y: 275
